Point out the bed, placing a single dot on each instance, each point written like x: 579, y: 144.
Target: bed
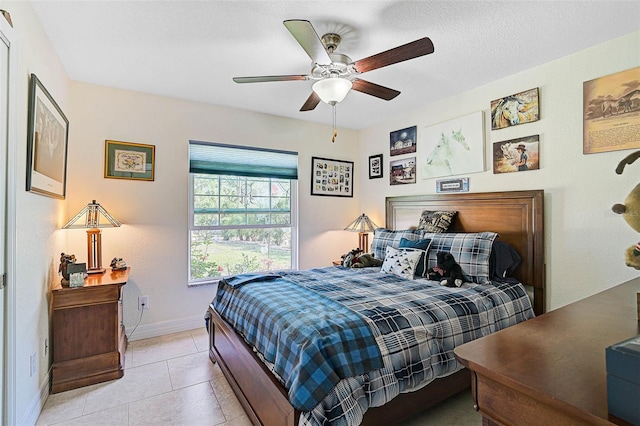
x: 518, y: 219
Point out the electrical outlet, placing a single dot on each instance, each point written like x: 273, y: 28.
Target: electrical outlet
x: 143, y: 303
x: 32, y: 364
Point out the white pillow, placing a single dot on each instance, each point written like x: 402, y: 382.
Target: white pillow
x: 401, y: 262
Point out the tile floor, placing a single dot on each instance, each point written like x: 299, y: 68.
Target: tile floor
x: 169, y: 380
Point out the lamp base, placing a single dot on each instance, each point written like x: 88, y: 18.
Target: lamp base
x: 96, y: 271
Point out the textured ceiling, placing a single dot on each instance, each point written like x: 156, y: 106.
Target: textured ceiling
x: 192, y: 49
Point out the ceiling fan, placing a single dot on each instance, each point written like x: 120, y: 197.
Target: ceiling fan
x: 335, y: 74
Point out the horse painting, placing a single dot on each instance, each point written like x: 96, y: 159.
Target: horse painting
x: 509, y: 151
x: 514, y: 109
x: 452, y: 147
x: 443, y: 159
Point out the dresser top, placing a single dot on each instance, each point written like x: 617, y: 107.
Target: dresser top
x: 108, y: 277
x: 560, y: 355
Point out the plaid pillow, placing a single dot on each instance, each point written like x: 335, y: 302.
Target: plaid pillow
x: 472, y: 251
x: 385, y: 237
x: 436, y: 221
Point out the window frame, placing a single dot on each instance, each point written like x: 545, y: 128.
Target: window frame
x: 192, y: 227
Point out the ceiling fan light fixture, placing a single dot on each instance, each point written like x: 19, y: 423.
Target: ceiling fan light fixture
x: 332, y: 90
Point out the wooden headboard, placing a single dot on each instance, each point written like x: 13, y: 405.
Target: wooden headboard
x: 517, y: 216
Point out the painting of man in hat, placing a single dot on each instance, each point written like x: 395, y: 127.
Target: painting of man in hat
x: 516, y: 155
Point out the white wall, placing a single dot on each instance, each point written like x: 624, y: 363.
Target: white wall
x: 37, y: 246
x: 584, y: 240
x: 153, y: 240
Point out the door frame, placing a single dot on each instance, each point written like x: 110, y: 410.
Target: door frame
x: 9, y: 363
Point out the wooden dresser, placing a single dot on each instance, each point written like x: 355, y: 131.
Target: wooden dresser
x: 551, y: 370
x: 88, y: 334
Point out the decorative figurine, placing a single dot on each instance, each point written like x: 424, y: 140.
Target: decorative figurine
x: 65, y: 260
x: 117, y: 264
x: 630, y: 212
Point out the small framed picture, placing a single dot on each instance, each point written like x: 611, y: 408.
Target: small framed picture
x: 127, y: 160
x: 47, y: 138
x: 375, y: 166
x: 403, y: 141
x: 331, y: 177
x: 402, y: 171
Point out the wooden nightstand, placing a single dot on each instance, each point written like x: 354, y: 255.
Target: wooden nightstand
x: 88, y: 334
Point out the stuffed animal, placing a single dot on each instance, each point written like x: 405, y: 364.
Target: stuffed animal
x: 630, y: 212
x: 365, y: 260
x: 447, y: 270
x: 347, y: 259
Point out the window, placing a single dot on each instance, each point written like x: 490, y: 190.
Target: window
x: 242, y: 211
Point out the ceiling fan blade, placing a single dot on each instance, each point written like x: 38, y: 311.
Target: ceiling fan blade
x: 417, y: 48
x: 304, y: 33
x: 312, y: 101
x: 265, y: 78
x: 374, y: 89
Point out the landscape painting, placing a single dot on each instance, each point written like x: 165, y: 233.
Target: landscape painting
x: 403, y: 141
x: 452, y: 148
x: 402, y: 171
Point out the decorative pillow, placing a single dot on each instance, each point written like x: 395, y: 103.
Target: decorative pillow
x: 471, y: 250
x: 503, y: 261
x: 436, y: 221
x: 385, y: 237
x: 421, y: 269
x: 401, y: 262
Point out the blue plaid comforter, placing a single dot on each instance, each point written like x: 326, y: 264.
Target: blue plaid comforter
x: 416, y: 325
x: 313, y: 342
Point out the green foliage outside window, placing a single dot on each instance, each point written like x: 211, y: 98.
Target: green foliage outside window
x: 240, y: 224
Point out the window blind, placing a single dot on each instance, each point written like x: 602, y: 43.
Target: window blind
x: 222, y: 159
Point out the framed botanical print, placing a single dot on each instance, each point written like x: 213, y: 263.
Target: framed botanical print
x: 47, y: 140
x: 127, y: 160
x: 331, y: 177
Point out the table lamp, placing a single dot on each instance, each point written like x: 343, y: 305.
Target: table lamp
x: 363, y: 225
x: 93, y: 212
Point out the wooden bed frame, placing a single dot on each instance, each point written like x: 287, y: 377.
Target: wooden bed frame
x: 517, y: 216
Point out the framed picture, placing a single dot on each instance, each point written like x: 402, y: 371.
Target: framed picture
x: 331, y: 177
x: 403, y: 141
x: 516, y: 155
x: 126, y: 160
x: 454, y: 147
x: 512, y: 110
x: 375, y: 166
x: 611, y: 112
x: 47, y: 140
x: 402, y: 171
x: 452, y: 185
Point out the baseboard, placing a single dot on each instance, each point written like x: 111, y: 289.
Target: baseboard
x: 165, y: 327
x: 37, y: 402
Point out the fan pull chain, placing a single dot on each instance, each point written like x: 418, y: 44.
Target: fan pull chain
x: 335, y: 133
